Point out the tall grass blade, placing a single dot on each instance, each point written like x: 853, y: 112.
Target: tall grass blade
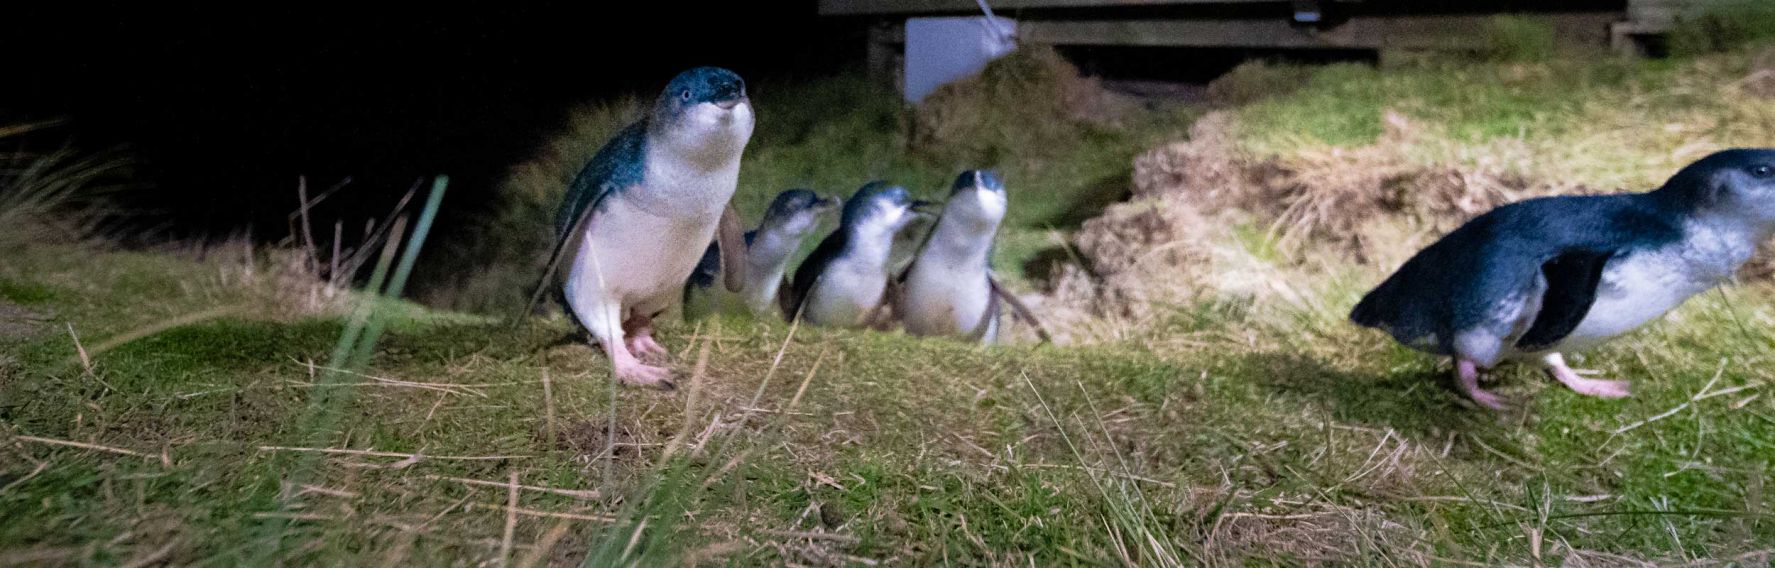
x: 350, y: 353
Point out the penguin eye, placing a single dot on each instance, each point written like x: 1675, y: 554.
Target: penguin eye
x: 685, y: 95
x: 1762, y: 171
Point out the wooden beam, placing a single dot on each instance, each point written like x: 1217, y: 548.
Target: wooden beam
x: 1373, y: 32
x: 918, y: 7
x: 1195, y: 33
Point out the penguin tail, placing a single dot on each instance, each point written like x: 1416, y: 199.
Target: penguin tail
x: 1363, y: 314
x: 1371, y: 312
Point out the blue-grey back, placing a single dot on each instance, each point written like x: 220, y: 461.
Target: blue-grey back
x: 809, y: 271
x: 1456, y: 283
x: 621, y: 163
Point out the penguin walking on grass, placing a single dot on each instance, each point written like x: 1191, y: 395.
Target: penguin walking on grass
x: 791, y: 217
x: 1537, y: 278
x: 636, y: 220
x: 846, y: 277
x: 949, y: 289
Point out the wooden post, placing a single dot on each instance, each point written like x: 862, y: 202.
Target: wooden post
x: 883, y: 58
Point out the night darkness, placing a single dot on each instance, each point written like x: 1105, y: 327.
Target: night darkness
x: 226, y: 107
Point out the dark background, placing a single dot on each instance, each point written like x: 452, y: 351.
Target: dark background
x: 225, y: 105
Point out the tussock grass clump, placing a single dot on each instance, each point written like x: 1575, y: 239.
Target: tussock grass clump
x: 57, y: 195
x: 1256, y: 80
x: 1722, y: 27
x: 1514, y: 37
x: 1210, y: 219
x: 1028, y: 105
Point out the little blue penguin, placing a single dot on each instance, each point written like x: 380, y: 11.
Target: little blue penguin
x: 845, y: 278
x: 791, y: 218
x: 638, y: 217
x: 1533, y: 279
x: 949, y: 289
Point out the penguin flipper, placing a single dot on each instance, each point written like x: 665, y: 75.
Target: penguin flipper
x: 808, y: 274
x: 1572, y: 279
x: 617, y: 166
x: 785, y: 299
x: 730, y: 237
x: 569, y: 241
x: 708, y: 268
x: 1018, y: 309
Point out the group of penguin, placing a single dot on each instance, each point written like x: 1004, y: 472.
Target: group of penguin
x: 648, y: 223
x: 857, y: 277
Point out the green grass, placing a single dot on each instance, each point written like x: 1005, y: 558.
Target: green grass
x: 1250, y: 441
x: 1602, y: 122
x: 1727, y: 25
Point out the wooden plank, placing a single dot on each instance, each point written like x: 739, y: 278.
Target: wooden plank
x: 917, y: 7
x: 1197, y: 33
x: 1402, y: 32
x: 1662, y: 14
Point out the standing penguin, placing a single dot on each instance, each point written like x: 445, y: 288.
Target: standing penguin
x: 949, y: 289
x: 1533, y: 279
x: 637, y: 218
x: 843, y: 281
x: 791, y: 217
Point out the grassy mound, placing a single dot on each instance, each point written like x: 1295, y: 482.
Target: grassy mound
x: 1347, y: 170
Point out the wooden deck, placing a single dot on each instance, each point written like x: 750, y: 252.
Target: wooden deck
x: 932, y: 7
x: 1386, y: 26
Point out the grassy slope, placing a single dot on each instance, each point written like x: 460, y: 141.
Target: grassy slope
x: 1234, y: 433
x: 1224, y: 438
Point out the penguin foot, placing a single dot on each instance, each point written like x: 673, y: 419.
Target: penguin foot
x: 646, y: 348
x: 641, y: 375
x: 1592, y: 387
x: 639, y: 333
x: 1467, y: 374
x: 1574, y: 379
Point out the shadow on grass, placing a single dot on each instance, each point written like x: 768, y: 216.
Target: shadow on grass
x: 1044, y: 265
x: 1071, y: 210
x: 1413, y: 399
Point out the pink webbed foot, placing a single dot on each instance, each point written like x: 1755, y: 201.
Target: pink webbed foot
x: 645, y: 347
x: 1579, y: 384
x: 631, y: 371
x: 639, y: 331
x: 636, y: 373
x: 1467, y: 375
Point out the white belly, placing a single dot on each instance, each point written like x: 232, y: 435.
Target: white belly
x: 941, y: 299
x: 846, y: 292
x: 636, y: 259
x: 1635, y: 290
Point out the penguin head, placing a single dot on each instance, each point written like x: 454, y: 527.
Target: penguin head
x: 878, y: 209
x: 1738, y: 182
x: 706, y: 106
x: 978, y: 196
x: 796, y: 211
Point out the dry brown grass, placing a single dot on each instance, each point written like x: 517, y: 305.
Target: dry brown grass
x: 1210, y: 218
x: 1029, y: 101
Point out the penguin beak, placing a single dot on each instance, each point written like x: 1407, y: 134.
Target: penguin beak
x: 730, y: 103
x: 925, y: 208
